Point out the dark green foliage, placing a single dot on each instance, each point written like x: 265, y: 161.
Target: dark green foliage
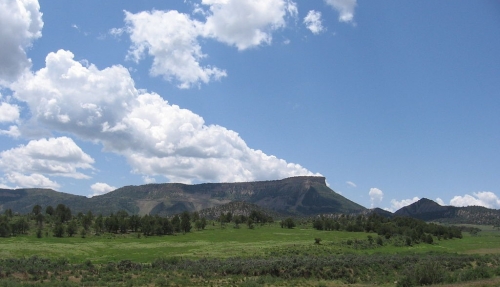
x: 72, y: 228
x: 49, y: 210
x: 62, y: 213
x: 428, y: 239
x: 250, y: 223
x: 197, y: 224
x: 203, y: 222
x: 135, y: 222
x: 19, y: 225
x: 370, y: 239
x: 423, y: 273
x: 86, y: 220
x: 195, y: 216
x: 37, y: 209
x: 4, y: 227
x: 59, y: 230
x: 83, y: 233
x: 414, y: 230
x: 176, y: 223
x: 111, y: 223
x: 8, y: 213
x: 480, y: 272
x: 39, y: 219
x: 259, y: 217
x: 375, y: 269
x: 288, y: 223
x: 185, y: 222
x: 380, y: 241
x: 99, y: 223
x: 147, y: 225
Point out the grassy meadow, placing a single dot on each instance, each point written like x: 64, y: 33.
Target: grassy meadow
x: 217, y: 242
x: 187, y: 259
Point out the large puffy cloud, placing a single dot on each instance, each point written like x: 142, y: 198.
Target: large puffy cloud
x: 171, y: 39
x: 376, y: 196
x: 313, y: 22
x: 484, y: 198
x: 156, y: 138
x: 20, y: 24
x: 67, y: 96
x: 29, y: 181
x: 344, y: 7
x: 246, y: 23
x: 54, y: 156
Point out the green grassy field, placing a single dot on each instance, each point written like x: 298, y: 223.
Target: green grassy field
x: 216, y: 244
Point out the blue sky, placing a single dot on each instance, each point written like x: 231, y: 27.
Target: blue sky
x: 391, y: 101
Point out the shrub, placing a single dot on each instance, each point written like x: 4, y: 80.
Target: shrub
x: 426, y: 272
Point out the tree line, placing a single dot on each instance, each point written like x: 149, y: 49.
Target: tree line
x: 415, y: 230
x: 61, y: 222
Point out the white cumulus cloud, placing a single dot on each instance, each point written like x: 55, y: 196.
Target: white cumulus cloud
x: 20, y: 24
x: 30, y: 180
x: 67, y: 96
x: 8, y: 112
x: 156, y: 138
x: 344, y: 7
x: 484, y: 198
x: 376, y: 196
x: 100, y: 188
x: 54, y: 156
x: 313, y: 22
x: 246, y: 23
x: 13, y: 131
x: 395, y: 204
x: 171, y: 39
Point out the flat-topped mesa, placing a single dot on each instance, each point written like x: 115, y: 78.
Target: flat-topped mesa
x: 298, y: 196
x: 306, y: 179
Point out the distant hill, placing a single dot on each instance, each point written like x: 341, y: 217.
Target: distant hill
x: 429, y: 210
x: 23, y: 200
x: 301, y: 196
x: 294, y: 196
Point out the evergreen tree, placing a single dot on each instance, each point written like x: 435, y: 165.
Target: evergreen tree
x: 185, y: 222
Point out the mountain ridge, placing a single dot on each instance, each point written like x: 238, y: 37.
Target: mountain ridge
x: 302, y: 195
x: 293, y: 196
x: 429, y: 210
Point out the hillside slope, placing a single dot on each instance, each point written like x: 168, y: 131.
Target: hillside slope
x: 305, y: 195
x: 429, y: 210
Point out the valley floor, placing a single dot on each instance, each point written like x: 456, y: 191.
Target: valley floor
x: 266, y: 255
